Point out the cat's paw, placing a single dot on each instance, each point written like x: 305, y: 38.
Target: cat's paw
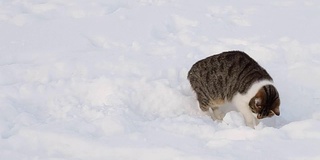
x: 252, y: 122
x: 259, y: 126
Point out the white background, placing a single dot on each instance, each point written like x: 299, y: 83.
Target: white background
x: 107, y: 79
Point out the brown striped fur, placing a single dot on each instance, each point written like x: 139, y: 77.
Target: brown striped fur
x: 266, y: 102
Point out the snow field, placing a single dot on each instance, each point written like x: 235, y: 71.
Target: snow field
x: 107, y: 80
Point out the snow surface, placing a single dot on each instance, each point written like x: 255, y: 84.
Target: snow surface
x: 107, y: 79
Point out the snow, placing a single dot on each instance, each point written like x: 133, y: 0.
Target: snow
x: 108, y: 79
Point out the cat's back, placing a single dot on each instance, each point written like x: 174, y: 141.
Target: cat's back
x: 232, y: 69
x: 226, y: 62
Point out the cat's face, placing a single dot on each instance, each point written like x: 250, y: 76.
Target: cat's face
x: 265, y: 104
x: 264, y: 110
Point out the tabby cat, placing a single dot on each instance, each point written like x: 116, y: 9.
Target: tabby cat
x: 234, y: 77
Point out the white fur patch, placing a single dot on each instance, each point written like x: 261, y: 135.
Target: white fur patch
x: 246, y: 97
x: 241, y: 101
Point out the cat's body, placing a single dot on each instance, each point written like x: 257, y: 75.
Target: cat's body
x: 234, y: 77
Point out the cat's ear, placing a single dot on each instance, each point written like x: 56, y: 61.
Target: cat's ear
x: 276, y: 111
x: 275, y: 107
x: 257, y: 102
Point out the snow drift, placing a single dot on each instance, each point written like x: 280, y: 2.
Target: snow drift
x: 107, y: 79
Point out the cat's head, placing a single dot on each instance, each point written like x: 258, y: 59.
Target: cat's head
x: 266, y: 102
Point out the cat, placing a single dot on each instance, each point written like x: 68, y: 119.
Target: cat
x: 234, y: 77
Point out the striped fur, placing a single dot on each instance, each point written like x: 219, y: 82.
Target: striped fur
x: 268, y: 102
